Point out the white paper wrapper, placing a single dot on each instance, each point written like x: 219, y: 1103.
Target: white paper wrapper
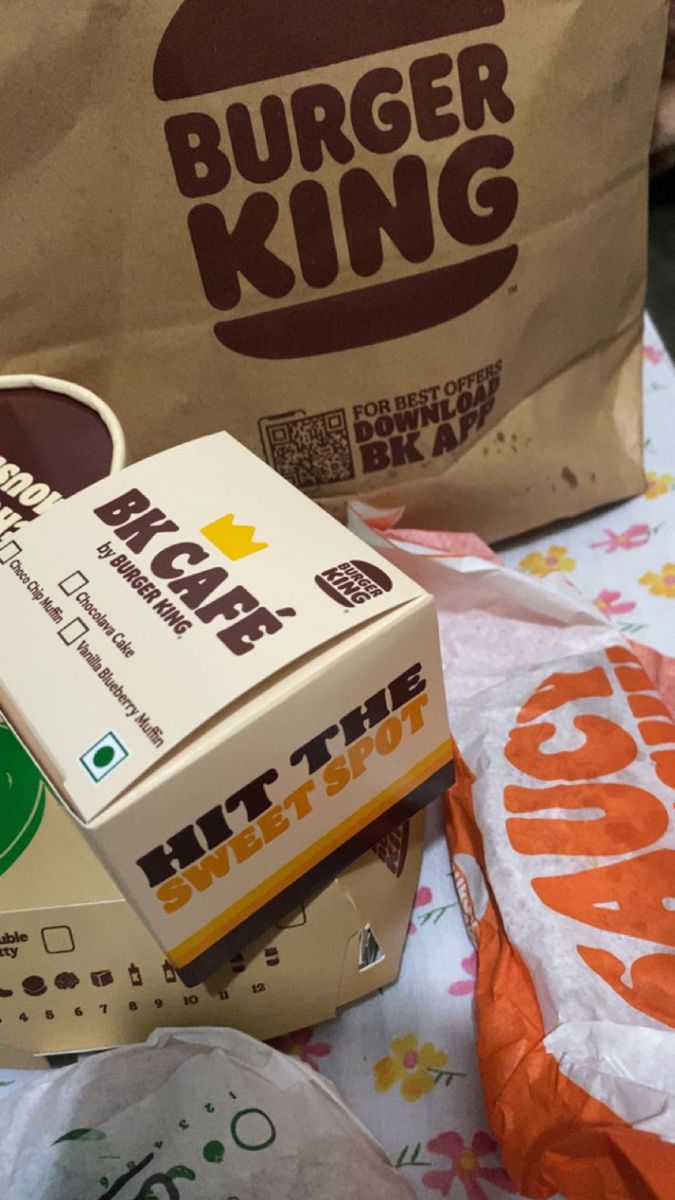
x: 204, y: 1114
x: 563, y: 837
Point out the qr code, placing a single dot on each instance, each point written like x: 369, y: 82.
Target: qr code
x: 308, y: 451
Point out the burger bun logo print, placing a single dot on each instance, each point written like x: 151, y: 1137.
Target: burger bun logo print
x: 353, y: 583
x: 340, y: 209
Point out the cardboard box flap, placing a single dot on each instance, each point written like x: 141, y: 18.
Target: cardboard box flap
x: 163, y: 595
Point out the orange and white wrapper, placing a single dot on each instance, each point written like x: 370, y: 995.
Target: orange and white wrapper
x: 562, y: 831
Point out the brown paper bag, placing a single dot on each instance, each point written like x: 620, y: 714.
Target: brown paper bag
x: 398, y: 249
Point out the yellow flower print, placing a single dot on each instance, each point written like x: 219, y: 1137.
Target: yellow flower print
x: 555, y: 559
x: 658, y: 485
x: 661, y: 584
x: 409, y: 1064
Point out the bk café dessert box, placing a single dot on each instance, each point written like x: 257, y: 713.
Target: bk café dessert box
x: 79, y: 970
x: 358, y: 627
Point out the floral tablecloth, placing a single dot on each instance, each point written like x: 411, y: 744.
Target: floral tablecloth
x: 404, y: 1060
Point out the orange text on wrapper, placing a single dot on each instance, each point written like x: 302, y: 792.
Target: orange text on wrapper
x: 633, y: 896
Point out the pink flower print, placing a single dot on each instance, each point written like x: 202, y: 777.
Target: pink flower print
x: 300, y: 1045
x: 424, y: 896
x: 608, y: 603
x: 653, y: 354
x: 464, y: 987
x: 466, y: 1166
x: 630, y: 539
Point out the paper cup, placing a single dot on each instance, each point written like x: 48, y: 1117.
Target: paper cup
x: 55, y: 439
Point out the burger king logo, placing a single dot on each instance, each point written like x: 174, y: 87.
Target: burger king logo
x: 317, y: 204
x: 353, y: 583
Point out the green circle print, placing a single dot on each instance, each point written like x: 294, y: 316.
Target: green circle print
x: 103, y: 756
x: 22, y: 798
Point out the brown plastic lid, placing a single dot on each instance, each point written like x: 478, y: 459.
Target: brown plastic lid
x: 55, y: 439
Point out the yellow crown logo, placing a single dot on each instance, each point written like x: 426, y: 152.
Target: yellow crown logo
x: 234, y: 541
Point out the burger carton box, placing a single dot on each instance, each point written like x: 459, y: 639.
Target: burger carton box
x: 231, y: 693
x: 79, y: 970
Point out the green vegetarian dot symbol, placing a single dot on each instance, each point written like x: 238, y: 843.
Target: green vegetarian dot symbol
x: 103, y: 756
x: 214, y: 1152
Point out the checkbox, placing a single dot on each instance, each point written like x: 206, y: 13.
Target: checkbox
x: 70, y: 633
x: 8, y: 551
x: 73, y: 582
x: 102, y: 758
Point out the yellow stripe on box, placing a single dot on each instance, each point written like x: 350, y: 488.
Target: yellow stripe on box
x: 185, y: 952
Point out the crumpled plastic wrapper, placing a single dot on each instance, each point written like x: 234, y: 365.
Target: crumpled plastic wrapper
x: 205, y: 1114
x: 562, y: 831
